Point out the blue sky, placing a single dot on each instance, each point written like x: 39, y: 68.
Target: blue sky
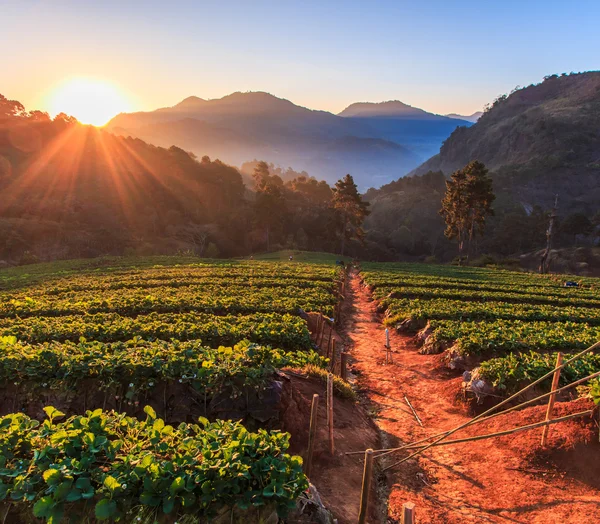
x: 452, y: 56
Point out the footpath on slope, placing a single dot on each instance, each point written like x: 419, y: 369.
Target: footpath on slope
x: 490, y: 480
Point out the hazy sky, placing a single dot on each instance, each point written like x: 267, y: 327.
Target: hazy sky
x: 443, y: 56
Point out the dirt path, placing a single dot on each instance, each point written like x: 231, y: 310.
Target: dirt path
x: 472, y: 482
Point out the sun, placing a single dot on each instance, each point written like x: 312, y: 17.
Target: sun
x: 89, y: 100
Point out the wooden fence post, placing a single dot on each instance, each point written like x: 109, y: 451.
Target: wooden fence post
x: 552, y: 398
x: 408, y: 513
x: 366, y: 487
x: 344, y: 365
x: 329, y: 353
x: 329, y: 337
x: 322, y: 332
x: 312, y: 433
x: 330, y: 412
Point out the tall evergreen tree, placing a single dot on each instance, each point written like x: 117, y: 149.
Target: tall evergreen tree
x: 351, y: 210
x: 467, y: 203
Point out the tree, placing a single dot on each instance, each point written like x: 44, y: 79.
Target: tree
x: 577, y: 224
x: 466, y: 204
x: 351, y: 210
x: 269, y: 203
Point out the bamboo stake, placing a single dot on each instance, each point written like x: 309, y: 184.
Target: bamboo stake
x: 312, y: 432
x: 366, y: 487
x: 413, y: 410
x: 344, y: 366
x: 408, y: 513
x: 552, y: 397
x: 494, y: 408
x: 387, y: 451
x: 507, y: 431
x: 487, y: 435
x: 330, y: 412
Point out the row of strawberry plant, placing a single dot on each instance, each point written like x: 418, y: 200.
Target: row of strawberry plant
x: 530, y: 288
x: 215, y: 299
x: 109, y: 466
x: 421, y: 310
x: 283, y: 331
x: 483, y: 296
x: 504, y: 336
x: 142, y: 364
x: 511, y: 372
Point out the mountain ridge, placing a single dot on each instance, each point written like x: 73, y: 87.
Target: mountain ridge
x: 287, y: 134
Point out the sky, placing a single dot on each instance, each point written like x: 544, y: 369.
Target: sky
x: 442, y: 56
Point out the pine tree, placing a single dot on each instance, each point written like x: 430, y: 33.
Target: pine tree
x: 351, y: 210
x: 467, y: 203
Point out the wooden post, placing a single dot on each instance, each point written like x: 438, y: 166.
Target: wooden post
x: 330, y: 412
x: 322, y: 332
x: 329, y: 337
x: 408, y: 513
x: 329, y: 353
x: 552, y: 398
x: 344, y: 365
x: 366, y: 487
x: 312, y: 433
x: 332, y: 363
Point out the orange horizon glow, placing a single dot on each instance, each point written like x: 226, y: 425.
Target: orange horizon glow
x: 89, y: 100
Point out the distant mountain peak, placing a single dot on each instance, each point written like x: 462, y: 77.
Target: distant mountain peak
x: 389, y: 108
x: 190, y: 102
x: 469, y: 118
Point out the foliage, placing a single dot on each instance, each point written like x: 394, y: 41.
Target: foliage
x: 139, y: 365
x: 484, y: 312
x: 511, y: 372
x: 351, y: 209
x: 116, y: 467
x: 467, y: 203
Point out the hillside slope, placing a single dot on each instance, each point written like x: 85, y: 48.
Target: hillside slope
x: 539, y: 141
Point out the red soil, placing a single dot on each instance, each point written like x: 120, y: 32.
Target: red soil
x: 506, y: 479
x: 338, y: 478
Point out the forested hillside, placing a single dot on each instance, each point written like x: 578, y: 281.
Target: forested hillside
x: 70, y: 190
x: 538, y: 141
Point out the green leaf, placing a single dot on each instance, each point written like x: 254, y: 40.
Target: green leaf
x: 177, y: 485
x: 111, y: 483
x: 168, y: 505
x: 52, y: 476
x: 150, y: 412
x: 43, y: 507
x: 105, y: 509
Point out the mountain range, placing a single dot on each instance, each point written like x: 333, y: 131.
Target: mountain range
x: 376, y: 143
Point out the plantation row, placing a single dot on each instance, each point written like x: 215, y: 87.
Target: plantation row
x: 421, y: 310
x: 515, y: 319
x: 140, y: 365
x: 282, y: 331
x: 220, y: 299
x: 526, y: 288
x: 484, y: 296
x: 120, y: 335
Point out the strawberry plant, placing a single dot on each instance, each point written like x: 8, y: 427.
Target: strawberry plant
x: 114, y: 467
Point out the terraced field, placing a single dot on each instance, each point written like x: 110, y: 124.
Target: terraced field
x: 512, y: 323
x: 165, y: 333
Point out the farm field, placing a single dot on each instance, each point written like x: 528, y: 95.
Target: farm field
x: 509, y: 322
x: 119, y: 358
